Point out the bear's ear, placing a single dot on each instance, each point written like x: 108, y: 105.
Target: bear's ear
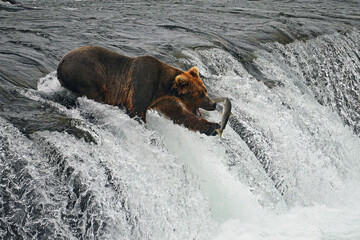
x: 181, y: 84
x: 181, y: 81
x: 194, y: 71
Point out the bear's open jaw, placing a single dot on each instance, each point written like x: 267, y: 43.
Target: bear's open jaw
x: 198, y: 113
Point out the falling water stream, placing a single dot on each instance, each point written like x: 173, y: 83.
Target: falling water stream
x: 287, y: 167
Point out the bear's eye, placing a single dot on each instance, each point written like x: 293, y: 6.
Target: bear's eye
x: 201, y: 95
x: 188, y: 96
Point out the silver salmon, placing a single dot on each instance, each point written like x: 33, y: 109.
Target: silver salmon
x: 226, y: 113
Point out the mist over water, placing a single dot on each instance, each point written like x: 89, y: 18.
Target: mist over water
x: 287, y: 166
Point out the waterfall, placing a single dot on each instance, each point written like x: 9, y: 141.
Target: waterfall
x: 287, y: 167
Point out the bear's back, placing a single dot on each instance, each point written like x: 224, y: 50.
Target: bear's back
x: 86, y: 58
x: 87, y: 70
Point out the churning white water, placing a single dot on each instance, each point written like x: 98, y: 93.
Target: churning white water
x: 292, y: 173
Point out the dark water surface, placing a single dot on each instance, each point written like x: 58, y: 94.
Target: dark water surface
x: 284, y: 56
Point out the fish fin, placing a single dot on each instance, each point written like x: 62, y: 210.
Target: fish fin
x: 231, y: 114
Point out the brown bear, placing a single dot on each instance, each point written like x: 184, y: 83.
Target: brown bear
x: 138, y: 84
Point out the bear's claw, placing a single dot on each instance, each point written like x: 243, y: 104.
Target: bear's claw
x: 219, y: 132
x: 213, y: 130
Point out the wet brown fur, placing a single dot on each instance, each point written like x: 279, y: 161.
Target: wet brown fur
x: 176, y: 110
x: 137, y: 84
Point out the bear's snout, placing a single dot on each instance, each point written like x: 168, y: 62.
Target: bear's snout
x: 209, y: 105
x: 214, y: 105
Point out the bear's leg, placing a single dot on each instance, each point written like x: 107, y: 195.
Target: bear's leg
x: 173, y: 108
x: 140, y: 117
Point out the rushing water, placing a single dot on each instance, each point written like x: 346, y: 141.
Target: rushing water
x: 287, y: 167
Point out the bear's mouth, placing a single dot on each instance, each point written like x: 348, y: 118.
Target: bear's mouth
x: 198, y: 113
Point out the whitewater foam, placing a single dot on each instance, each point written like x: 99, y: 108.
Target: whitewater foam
x: 290, y: 172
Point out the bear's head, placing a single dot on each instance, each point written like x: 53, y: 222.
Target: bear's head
x: 189, y: 87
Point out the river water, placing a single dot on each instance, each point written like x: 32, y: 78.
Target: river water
x: 287, y: 167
